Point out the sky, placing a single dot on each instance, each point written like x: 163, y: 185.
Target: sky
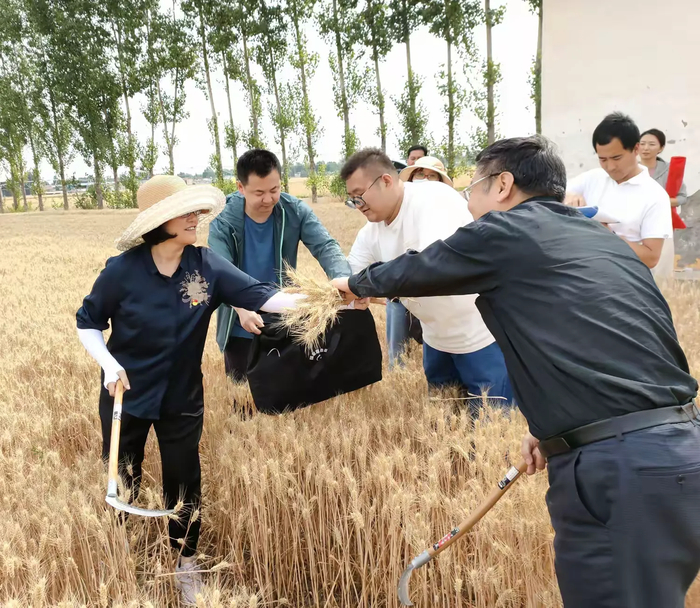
x: 514, y: 46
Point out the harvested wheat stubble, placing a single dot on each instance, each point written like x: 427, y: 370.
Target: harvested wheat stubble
x: 315, y: 315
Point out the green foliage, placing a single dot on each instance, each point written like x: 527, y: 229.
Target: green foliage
x: 319, y: 180
x: 119, y: 200
x: 413, y: 116
x: 149, y: 157
x: 376, y: 31
x: 535, y: 82
x: 337, y: 187
x: 227, y: 186
x: 405, y: 17
x: 87, y: 199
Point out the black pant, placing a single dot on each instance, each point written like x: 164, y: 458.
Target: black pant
x: 178, y: 440
x: 626, y: 513
x: 236, y: 358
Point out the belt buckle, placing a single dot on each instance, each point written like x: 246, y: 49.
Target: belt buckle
x: 554, y: 446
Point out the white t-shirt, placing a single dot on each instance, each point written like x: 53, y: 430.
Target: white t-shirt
x: 430, y: 211
x: 642, y: 207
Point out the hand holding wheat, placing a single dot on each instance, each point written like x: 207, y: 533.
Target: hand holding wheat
x: 314, y: 315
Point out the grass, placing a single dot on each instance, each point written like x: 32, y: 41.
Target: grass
x: 320, y: 508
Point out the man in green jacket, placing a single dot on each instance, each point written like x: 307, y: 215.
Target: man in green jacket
x: 259, y: 229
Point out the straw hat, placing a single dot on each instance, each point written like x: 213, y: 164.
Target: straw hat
x: 165, y: 197
x: 426, y: 162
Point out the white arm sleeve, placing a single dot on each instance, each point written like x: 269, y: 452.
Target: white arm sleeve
x: 281, y: 300
x: 94, y: 343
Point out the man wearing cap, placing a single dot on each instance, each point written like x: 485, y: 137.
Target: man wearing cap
x: 597, y: 372
x: 260, y: 230
x: 458, y: 349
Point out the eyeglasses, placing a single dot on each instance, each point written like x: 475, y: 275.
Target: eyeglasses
x: 357, y: 202
x: 481, y: 179
x: 431, y: 177
x: 191, y: 213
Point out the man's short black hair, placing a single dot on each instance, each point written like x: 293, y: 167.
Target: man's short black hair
x: 536, y: 167
x: 660, y: 135
x: 258, y: 162
x: 367, y: 157
x: 617, y: 125
x: 414, y: 148
x: 157, y: 236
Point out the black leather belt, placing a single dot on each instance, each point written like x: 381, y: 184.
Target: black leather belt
x: 619, y: 425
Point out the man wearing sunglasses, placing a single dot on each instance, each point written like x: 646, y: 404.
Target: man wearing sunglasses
x: 597, y: 372
x: 458, y: 349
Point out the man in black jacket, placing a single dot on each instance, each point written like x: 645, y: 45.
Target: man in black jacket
x: 596, y: 369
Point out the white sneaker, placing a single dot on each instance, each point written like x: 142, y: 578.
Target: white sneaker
x: 188, y: 580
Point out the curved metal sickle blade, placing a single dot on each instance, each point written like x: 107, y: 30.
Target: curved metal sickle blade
x: 113, y: 501
x: 403, y: 586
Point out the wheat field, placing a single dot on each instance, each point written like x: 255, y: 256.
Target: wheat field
x: 320, y: 508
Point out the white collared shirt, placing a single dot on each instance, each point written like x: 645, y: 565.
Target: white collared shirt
x: 642, y: 206
x: 430, y: 211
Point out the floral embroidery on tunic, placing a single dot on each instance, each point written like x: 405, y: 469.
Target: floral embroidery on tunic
x: 194, y: 289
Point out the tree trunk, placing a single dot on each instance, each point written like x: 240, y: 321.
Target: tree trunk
x: 411, y: 77
x: 341, y: 78
x: 214, y: 120
x: 130, y: 135
x: 305, y: 96
x: 23, y: 185
x: 283, y: 142
x: 59, y: 148
x: 490, y: 109
x: 115, y: 172
x: 36, y: 177
x: 450, y: 111
x: 380, y: 100
x: 153, y: 145
x: 251, y: 92
x: 168, y: 141
x: 98, y: 181
x: 538, y: 74
x: 2, y: 200
x: 64, y: 188
x: 230, y: 113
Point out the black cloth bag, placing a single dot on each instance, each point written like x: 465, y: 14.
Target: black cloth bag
x: 283, y: 377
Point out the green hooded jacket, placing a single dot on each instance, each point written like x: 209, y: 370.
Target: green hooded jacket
x: 294, y: 222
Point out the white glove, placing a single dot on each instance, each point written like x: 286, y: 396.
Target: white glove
x: 94, y: 343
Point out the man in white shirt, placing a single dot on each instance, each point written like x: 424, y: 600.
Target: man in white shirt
x: 623, y: 189
x: 457, y: 346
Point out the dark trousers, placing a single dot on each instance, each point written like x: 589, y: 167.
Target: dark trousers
x: 236, y: 358
x: 178, y: 440
x: 626, y: 516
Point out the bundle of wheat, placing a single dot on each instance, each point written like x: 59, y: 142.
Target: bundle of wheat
x: 315, y: 314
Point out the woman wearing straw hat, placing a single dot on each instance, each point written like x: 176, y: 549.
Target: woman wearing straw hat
x: 158, y: 296
x: 427, y: 168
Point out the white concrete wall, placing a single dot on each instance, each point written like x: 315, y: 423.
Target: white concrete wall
x: 641, y: 57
